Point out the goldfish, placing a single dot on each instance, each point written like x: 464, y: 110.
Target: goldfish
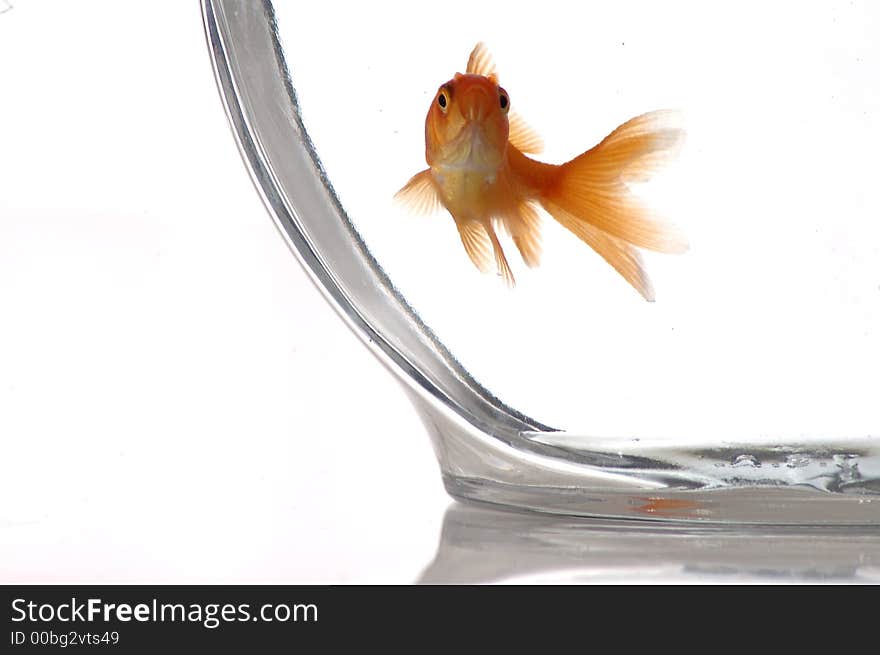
x: 478, y: 170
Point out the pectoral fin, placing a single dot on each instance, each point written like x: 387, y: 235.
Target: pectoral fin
x: 523, y: 137
x: 419, y: 194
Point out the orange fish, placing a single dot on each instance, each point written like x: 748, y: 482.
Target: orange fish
x: 474, y: 147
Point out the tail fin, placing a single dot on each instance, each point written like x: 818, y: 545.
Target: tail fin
x: 589, y: 194
x: 618, y: 253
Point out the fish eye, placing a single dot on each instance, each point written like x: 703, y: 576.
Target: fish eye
x: 503, y: 99
x: 443, y: 99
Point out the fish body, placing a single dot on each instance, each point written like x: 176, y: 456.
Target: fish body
x: 479, y: 171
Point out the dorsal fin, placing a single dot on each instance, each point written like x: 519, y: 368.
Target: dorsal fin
x: 480, y: 63
x: 523, y: 137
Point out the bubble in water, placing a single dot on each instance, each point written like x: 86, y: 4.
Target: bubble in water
x: 796, y: 461
x: 746, y: 460
x: 849, y: 467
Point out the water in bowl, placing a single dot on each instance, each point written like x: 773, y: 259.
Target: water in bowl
x: 756, y: 366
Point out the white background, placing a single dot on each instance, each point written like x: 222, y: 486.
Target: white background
x: 177, y: 402
x: 171, y: 383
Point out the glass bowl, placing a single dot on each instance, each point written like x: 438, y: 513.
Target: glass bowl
x: 747, y: 393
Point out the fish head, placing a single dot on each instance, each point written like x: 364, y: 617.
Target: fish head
x: 467, y: 125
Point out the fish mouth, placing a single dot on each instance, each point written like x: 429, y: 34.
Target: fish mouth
x: 473, y: 150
